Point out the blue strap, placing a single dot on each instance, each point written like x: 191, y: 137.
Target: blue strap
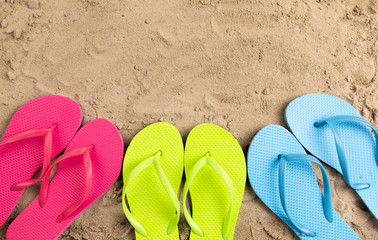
x: 327, y: 202
x: 331, y: 122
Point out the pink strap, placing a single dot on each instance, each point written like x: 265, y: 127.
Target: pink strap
x: 47, y: 134
x: 84, y: 152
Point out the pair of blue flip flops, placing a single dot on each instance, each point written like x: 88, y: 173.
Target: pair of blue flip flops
x: 281, y: 173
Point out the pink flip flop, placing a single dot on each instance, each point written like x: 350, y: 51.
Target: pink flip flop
x: 37, y: 133
x: 88, y: 168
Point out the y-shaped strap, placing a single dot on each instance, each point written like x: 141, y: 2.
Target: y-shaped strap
x: 331, y: 122
x: 207, y: 160
x: 154, y: 160
x: 327, y: 202
x: 84, y: 152
x: 47, y: 134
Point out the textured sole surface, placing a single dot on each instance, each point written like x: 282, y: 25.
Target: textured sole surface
x: 68, y: 184
x: 209, y: 193
x: 303, y: 196
x: 148, y: 201
x: 358, y: 141
x: 21, y: 160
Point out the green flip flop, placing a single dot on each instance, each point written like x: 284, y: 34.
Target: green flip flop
x: 215, y: 172
x: 152, y: 172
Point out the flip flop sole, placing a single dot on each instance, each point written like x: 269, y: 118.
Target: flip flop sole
x: 68, y: 185
x: 303, y: 196
x: 208, y: 191
x: 358, y: 141
x: 21, y: 160
x: 148, y: 201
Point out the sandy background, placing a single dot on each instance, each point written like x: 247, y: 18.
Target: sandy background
x: 235, y: 63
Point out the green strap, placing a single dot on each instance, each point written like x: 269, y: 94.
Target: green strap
x: 207, y: 160
x: 154, y: 160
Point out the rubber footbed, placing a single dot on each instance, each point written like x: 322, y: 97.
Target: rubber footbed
x: 68, y: 185
x: 148, y: 201
x: 303, y: 196
x: 209, y: 193
x: 21, y: 160
x: 358, y: 141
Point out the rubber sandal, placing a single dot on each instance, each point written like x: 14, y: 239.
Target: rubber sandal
x: 37, y: 133
x: 215, y: 172
x: 152, y: 173
x: 282, y: 176
x: 87, y: 169
x: 333, y: 131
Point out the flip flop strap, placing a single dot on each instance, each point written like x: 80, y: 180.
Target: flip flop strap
x: 331, y: 122
x: 154, y: 160
x: 208, y: 160
x: 47, y: 134
x: 85, y: 153
x: 327, y: 202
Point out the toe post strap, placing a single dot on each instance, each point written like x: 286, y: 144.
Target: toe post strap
x: 327, y: 202
x: 209, y: 161
x: 332, y: 122
x: 84, y: 152
x: 46, y: 133
x: 151, y: 161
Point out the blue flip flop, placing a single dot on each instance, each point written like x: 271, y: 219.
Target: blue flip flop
x: 282, y: 176
x: 333, y: 131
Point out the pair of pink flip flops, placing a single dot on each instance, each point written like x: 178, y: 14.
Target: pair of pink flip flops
x: 89, y: 166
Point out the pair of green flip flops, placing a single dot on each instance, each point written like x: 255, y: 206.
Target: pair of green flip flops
x: 215, y: 172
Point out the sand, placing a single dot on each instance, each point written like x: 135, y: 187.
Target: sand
x: 235, y: 63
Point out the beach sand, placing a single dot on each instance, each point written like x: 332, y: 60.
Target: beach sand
x: 235, y: 63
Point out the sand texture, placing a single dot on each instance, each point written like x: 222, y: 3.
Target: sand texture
x: 235, y: 63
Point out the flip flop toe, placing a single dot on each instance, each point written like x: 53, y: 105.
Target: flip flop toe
x: 152, y: 173
x: 87, y: 169
x: 333, y: 131
x: 282, y: 176
x: 215, y: 172
x: 37, y: 133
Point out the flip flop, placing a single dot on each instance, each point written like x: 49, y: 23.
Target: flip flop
x: 282, y: 176
x: 37, y: 133
x: 152, y: 173
x: 333, y: 131
x: 87, y: 169
x: 215, y: 175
